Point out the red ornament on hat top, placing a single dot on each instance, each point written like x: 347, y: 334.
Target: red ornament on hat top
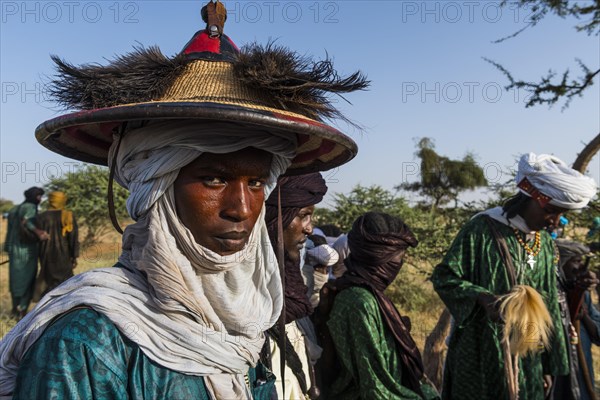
x: 210, y: 43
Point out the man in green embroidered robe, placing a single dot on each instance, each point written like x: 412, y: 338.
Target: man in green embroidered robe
x: 378, y: 358
x: 22, y: 254
x: 473, y: 275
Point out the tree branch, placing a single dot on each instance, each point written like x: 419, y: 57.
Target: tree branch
x: 547, y: 92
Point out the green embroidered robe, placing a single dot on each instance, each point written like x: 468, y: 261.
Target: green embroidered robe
x: 474, y: 367
x: 371, y: 365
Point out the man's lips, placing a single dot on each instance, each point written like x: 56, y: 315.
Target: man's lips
x: 234, y: 240
x: 233, y: 235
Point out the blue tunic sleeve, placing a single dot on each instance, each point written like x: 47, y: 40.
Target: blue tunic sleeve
x: 80, y: 356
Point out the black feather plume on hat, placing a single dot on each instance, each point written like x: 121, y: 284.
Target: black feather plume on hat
x: 293, y: 82
x: 139, y: 76
x: 297, y: 83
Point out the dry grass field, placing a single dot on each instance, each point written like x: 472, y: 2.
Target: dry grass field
x: 106, y: 251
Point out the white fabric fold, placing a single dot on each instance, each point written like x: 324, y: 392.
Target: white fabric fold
x: 497, y: 213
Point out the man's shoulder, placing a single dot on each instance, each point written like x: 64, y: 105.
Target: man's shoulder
x: 26, y: 210
x: 357, y: 297
x: 84, y: 326
x: 480, y: 223
x: 48, y: 215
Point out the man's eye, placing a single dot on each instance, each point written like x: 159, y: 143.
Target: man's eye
x: 256, y: 184
x: 305, y: 217
x: 212, y: 180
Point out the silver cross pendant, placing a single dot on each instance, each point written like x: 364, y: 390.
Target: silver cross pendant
x: 530, y: 260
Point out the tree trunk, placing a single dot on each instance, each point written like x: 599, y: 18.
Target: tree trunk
x: 586, y: 155
x: 434, y: 352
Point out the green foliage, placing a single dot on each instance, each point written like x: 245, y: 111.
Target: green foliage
x: 443, y: 179
x: 435, y: 231
x: 86, y: 190
x: 413, y: 293
x: 360, y: 200
x: 5, y: 205
x: 581, y: 221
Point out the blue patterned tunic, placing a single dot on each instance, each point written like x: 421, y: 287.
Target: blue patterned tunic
x: 82, y: 355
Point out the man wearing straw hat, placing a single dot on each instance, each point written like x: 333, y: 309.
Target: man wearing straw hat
x: 199, y: 141
x: 495, y: 251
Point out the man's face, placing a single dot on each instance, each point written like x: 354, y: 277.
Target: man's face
x: 220, y: 196
x: 573, y: 267
x: 538, y: 217
x: 294, y: 236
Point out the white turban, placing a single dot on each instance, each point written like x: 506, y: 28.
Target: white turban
x: 322, y: 255
x: 566, y: 187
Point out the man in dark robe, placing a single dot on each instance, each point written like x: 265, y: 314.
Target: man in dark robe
x: 58, y: 255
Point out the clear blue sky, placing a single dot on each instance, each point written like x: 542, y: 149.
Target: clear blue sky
x: 424, y: 59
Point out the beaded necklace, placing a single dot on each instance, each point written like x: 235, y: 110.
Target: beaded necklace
x: 531, y: 251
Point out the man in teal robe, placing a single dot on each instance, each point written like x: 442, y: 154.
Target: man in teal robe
x: 473, y: 275
x: 22, y: 254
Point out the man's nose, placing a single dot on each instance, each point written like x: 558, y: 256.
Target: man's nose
x: 236, y: 202
x: 308, y: 227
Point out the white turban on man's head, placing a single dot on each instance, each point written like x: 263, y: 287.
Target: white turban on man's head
x: 552, y: 177
x: 322, y: 255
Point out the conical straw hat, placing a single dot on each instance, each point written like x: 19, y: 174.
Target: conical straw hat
x: 267, y: 88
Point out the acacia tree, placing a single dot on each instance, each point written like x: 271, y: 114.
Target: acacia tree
x: 86, y: 190
x: 553, y: 87
x: 443, y: 179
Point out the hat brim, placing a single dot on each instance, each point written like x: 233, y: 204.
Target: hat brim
x: 87, y: 135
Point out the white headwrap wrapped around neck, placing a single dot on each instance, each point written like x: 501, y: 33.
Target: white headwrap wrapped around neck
x: 566, y: 187
x: 192, y: 310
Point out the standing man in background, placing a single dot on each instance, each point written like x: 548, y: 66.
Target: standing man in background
x: 58, y: 255
x: 22, y: 245
x: 475, y: 272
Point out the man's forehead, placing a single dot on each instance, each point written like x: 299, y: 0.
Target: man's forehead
x: 248, y: 159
